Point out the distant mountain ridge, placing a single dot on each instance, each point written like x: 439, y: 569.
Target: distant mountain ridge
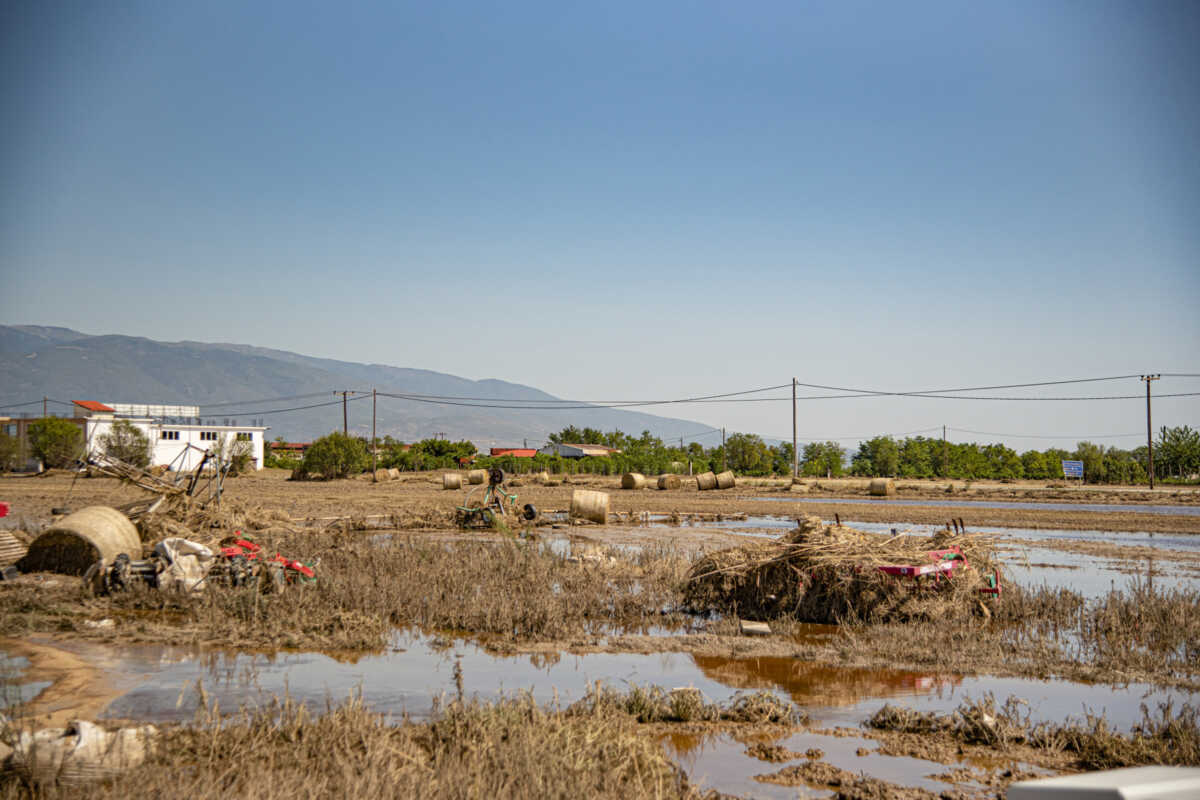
x: 66, y: 365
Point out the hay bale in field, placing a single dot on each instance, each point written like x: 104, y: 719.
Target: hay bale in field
x: 726, y: 480
x: 382, y: 475
x: 799, y: 488
x: 829, y: 574
x: 75, y: 542
x: 589, y: 505
x: 393, y: 473
x: 669, y: 481
x: 882, y: 487
x: 476, y: 477
x: 451, y: 480
x: 633, y: 480
x: 706, y: 481
x: 542, y: 477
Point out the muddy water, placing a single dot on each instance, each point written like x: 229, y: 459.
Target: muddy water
x: 1174, y: 511
x: 416, y: 669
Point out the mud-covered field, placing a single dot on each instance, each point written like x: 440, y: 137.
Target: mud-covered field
x: 1099, y: 612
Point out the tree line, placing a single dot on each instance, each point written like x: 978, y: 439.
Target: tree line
x: 1176, y: 456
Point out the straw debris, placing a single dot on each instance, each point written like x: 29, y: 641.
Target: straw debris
x: 829, y: 574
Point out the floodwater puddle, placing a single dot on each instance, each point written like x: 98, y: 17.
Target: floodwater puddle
x: 161, y: 684
x: 1173, y: 511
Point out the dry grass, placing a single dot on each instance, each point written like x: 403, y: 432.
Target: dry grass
x: 1170, y: 736
x: 510, y: 748
x: 827, y: 573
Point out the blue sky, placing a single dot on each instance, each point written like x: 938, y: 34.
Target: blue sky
x: 627, y: 200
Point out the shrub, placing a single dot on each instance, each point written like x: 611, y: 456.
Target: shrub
x: 237, y: 453
x: 57, y: 442
x: 126, y: 442
x: 335, y: 456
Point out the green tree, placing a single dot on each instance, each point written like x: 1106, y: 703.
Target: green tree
x: 335, y: 456
x: 877, y: 457
x: 747, y: 454
x: 10, y: 452
x: 1035, y: 465
x: 57, y: 442
x: 823, y: 459
x: 126, y: 442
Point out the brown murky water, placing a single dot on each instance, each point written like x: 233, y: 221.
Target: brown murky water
x: 406, y: 677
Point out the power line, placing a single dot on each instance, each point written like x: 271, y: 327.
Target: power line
x: 264, y: 400
x: 1044, y: 436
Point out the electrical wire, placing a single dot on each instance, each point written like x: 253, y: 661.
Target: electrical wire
x: 264, y: 400
x: 1043, y: 436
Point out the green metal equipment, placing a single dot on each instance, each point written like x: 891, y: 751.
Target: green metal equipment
x: 495, y: 503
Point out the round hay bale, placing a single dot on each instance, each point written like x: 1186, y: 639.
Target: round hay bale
x: 589, y: 505
x: 726, y: 480
x: 477, y: 477
x: 542, y: 477
x: 75, y: 542
x: 382, y: 475
x: 451, y: 480
x: 706, y: 481
x: 393, y: 473
x: 669, y: 481
x: 633, y: 480
x: 799, y: 488
x: 12, y: 549
x: 882, y: 487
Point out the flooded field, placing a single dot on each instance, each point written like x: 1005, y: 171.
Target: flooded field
x: 417, y: 669
x: 1172, y: 510
x: 412, y: 617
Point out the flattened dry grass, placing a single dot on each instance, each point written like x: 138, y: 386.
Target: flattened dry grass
x: 1170, y: 736
x: 510, y: 748
x: 504, y: 588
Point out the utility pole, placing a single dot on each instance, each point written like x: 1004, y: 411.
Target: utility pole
x: 723, y: 465
x: 44, y: 399
x: 345, y: 417
x: 945, y: 454
x: 1149, y: 427
x: 374, y: 445
x: 795, y: 455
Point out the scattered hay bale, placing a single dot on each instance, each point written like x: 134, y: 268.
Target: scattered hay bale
x: 477, y: 476
x: 669, y: 481
x: 706, y: 481
x: 393, y: 473
x: 829, y: 574
x: 633, y: 480
x: 382, y: 475
x: 726, y: 480
x: 882, y: 487
x: 75, y: 542
x: 799, y: 488
x: 589, y: 505
x: 451, y: 480
x: 542, y: 477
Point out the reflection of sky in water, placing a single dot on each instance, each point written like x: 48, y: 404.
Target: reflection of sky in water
x: 408, y: 678
x: 14, y: 688
x: 1174, y: 511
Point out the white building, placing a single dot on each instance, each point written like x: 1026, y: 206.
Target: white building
x: 178, y: 438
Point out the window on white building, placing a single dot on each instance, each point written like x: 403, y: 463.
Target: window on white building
x: 172, y: 435
x: 208, y: 436
x: 245, y: 437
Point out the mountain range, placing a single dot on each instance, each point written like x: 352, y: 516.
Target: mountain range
x: 232, y: 381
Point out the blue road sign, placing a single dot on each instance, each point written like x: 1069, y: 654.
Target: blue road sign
x: 1072, y: 469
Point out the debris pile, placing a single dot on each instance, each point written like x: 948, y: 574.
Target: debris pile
x: 832, y: 574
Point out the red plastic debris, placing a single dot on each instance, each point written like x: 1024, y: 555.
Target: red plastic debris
x: 3, y: 509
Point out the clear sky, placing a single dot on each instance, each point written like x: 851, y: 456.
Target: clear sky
x: 628, y: 200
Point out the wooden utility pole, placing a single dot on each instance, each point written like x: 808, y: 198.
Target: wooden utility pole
x: 374, y: 444
x: 1149, y: 427
x: 723, y: 460
x: 44, y: 399
x: 345, y: 416
x: 795, y: 454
